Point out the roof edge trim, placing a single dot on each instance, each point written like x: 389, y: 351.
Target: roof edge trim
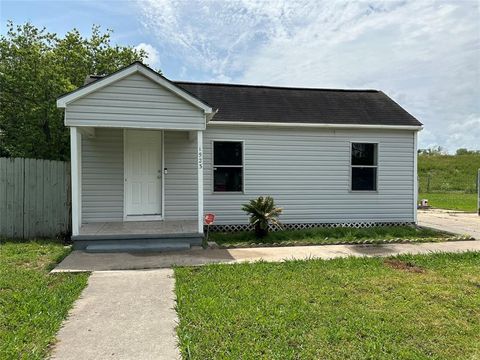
x: 315, y: 125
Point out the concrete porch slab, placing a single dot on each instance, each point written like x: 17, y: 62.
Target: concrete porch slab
x: 164, y: 227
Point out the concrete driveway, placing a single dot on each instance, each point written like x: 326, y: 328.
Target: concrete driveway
x: 452, y: 221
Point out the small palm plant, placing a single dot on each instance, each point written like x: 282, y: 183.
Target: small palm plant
x: 263, y: 212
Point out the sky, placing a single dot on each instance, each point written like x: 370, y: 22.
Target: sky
x: 424, y: 54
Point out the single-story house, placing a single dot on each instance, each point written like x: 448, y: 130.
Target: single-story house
x: 151, y: 156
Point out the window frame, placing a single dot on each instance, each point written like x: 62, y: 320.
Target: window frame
x: 237, y: 166
x: 351, y: 166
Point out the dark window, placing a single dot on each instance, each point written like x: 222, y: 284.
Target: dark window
x: 364, y: 167
x: 227, y: 166
x: 227, y: 153
x: 364, y: 154
x: 364, y: 178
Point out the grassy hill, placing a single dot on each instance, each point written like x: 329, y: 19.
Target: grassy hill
x: 448, y: 173
x: 449, y: 181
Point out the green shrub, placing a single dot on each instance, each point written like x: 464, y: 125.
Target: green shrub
x: 263, y: 212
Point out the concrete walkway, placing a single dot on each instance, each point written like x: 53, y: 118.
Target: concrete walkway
x: 452, y: 221
x: 122, y: 315
x: 83, y: 261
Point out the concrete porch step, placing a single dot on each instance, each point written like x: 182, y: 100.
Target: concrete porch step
x: 137, y: 246
x: 135, y: 236
x: 136, y: 242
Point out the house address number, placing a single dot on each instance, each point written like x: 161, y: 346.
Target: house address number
x: 200, y: 157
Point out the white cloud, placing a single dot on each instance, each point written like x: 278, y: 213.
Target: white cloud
x: 153, y: 56
x: 425, y: 54
x: 465, y: 131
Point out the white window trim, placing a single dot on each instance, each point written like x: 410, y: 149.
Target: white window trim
x: 362, y: 166
x: 239, y: 166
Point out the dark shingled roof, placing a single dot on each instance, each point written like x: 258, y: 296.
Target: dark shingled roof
x: 299, y: 105
x: 252, y: 103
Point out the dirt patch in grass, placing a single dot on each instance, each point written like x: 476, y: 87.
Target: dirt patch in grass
x: 476, y: 284
x: 403, y: 265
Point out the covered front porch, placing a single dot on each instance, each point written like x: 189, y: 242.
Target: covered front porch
x: 136, y: 189
x: 136, y: 143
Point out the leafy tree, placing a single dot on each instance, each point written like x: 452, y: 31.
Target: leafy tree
x: 463, y: 151
x: 35, y: 68
x: 432, y: 151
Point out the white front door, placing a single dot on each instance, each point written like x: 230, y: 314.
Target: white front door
x: 143, y: 173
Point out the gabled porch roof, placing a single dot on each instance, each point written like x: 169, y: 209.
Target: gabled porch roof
x: 136, y: 67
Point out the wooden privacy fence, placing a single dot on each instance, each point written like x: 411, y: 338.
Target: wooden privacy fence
x: 34, y: 198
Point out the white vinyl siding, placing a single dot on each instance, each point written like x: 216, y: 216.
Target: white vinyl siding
x: 102, y: 176
x: 307, y: 171
x: 134, y: 102
x: 181, y: 180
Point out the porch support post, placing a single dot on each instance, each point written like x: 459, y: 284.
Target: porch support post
x: 76, y: 175
x: 200, y: 179
x: 415, y: 176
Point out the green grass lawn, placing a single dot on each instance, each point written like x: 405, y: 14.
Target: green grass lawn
x: 330, y: 236
x: 32, y: 302
x: 452, y: 201
x: 409, y: 307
